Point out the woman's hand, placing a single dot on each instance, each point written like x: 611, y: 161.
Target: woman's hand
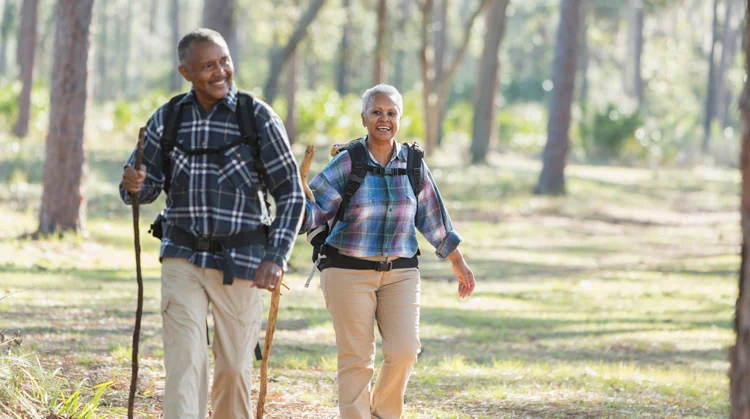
x: 463, y: 273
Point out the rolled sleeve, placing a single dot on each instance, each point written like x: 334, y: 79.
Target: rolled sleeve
x: 433, y: 220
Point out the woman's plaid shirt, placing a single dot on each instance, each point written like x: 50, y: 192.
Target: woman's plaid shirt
x: 379, y: 220
x: 215, y: 195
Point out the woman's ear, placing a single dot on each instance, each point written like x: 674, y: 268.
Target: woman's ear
x: 363, y: 119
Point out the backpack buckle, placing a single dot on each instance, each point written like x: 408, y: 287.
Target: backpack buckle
x: 202, y: 244
x: 384, y: 266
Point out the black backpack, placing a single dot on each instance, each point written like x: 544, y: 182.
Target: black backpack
x: 172, y: 119
x: 360, y: 168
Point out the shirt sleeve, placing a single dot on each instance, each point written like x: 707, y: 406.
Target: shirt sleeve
x: 280, y: 174
x: 152, y: 159
x: 433, y: 220
x: 328, y: 189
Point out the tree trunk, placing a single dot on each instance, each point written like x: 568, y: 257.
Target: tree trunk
x: 441, y: 37
x: 487, y: 81
x: 728, y: 49
x: 175, y: 81
x: 552, y: 178
x: 6, y: 27
x: 634, y: 79
x: 291, y: 91
x: 739, y: 354
x: 711, y: 87
x: 124, y: 53
x: 63, y: 206
x: 378, y: 73
x: 398, y: 61
x: 153, y: 16
x: 279, y: 56
x: 342, y: 68
x: 435, y: 90
x: 101, y: 93
x: 583, y: 39
x: 25, y: 54
x: 219, y: 15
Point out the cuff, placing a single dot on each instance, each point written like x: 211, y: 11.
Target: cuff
x: 448, y: 245
x: 278, y: 256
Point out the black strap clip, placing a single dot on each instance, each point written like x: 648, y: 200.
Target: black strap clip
x: 384, y: 266
x: 202, y: 244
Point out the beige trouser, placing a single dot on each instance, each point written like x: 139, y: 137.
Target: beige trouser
x: 355, y: 300
x: 186, y: 291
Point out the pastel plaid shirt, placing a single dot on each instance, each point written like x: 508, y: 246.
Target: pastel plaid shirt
x: 380, y: 218
x: 216, y: 195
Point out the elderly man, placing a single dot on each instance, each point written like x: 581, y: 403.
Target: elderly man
x: 215, y: 152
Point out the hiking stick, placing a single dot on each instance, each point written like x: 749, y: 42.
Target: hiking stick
x: 275, y: 298
x: 139, y: 310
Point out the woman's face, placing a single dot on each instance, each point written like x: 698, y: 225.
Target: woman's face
x: 381, y: 118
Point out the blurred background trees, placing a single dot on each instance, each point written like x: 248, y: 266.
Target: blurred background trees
x: 642, y: 82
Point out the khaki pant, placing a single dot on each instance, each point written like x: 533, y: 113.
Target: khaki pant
x: 356, y: 299
x: 186, y: 291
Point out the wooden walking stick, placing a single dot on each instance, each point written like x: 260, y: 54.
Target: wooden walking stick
x: 139, y: 310
x: 276, y: 297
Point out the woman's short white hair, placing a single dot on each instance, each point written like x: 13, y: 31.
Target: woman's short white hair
x: 386, y: 89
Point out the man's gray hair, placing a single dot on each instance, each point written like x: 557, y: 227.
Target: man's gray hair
x: 198, y: 35
x: 386, y: 89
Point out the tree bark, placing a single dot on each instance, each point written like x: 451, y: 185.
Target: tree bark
x: 342, y: 67
x: 279, y: 56
x: 6, y: 27
x: 583, y: 39
x: 739, y: 354
x: 63, y: 206
x: 552, y: 178
x: 435, y: 90
x: 219, y: 15
x: 485, y: 89
x: 441, y: 47
x: 124, y: 53
x: 103, y: 88
x: 175, y: 81
x: 711, y: 87
x: 728, y: 50
x: 291, y: 91
x: 25, y: 54
x: 398, y: 61
x: 378, y: 73
x: 634, y: 79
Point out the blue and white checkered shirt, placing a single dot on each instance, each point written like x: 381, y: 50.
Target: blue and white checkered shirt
x: 216, y: 195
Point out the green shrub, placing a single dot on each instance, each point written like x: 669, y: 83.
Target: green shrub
x: 605, y: 135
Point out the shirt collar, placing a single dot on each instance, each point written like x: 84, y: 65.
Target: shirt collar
x: 399, y: 153
x: 230, y: 100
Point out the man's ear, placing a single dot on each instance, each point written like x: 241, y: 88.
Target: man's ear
x: 184, y: 71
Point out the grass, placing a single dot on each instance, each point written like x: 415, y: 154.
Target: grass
x: 614, y: 301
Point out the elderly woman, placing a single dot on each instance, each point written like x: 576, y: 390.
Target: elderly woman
x: 369, y: 258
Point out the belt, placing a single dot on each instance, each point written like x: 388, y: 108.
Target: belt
x: 222, y: 245
x: 334, y: 259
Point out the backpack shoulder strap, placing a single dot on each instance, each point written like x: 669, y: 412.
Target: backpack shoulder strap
x: 358, y: 154
x: 414, y: 167
x: 171, y: 120
x: 246, y: 120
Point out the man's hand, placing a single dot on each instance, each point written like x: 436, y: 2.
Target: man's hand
x: 267, y: 276
x: 132, y: 180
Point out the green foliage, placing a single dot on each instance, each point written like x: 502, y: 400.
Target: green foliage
x: 128, y: 115
x: 9, y: 101
x: 604, y: 137
x: 325, y: 113
x: 522, y: 127
x: 459, y: 118
x: 29, y: 390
